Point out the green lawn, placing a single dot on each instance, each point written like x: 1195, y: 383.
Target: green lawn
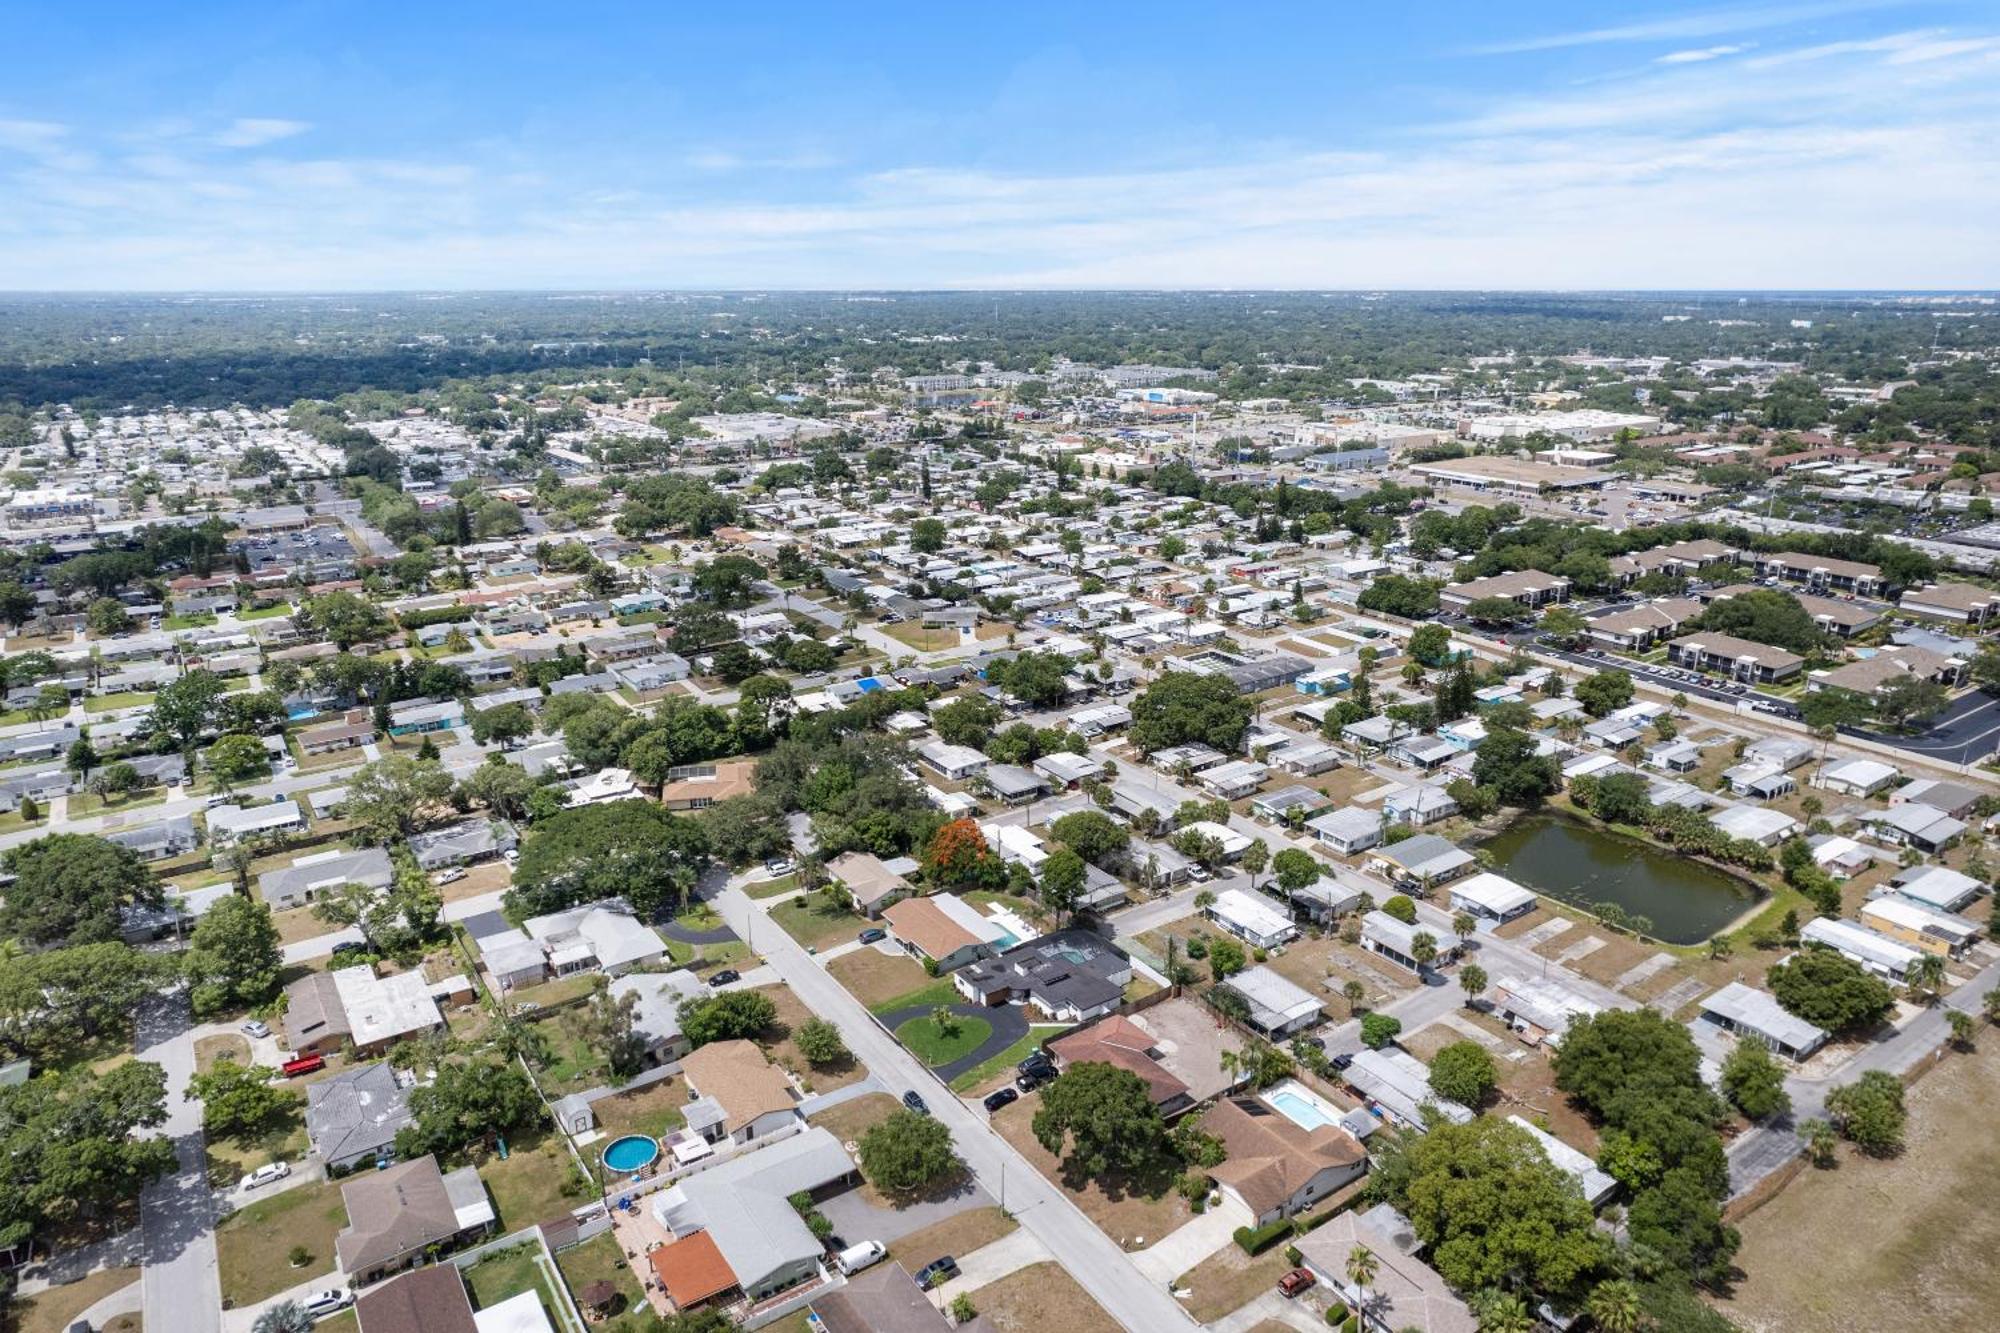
x: 253, y: 1245
x: 510, y: 1272
x: 106, y: 703
x: 1007, y: 1059
x: 600, y: 1259
x: 773, y: 887
x: 527, y: 1187
x: 940, y: 1046
x: 265, y: 612
x: 936, y: 993
x: 83, y: 803
x: 200, y: 620
x: 808, y: 921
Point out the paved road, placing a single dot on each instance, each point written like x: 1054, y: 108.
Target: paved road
x: 1089, y: 1255
x: 1763, y: 1150
x: 181, y: 1287
x: 1967, y: 731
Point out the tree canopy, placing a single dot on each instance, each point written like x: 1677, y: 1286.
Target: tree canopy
x: 71, y: 888
x: 1183, y: 707
x: 631, y: 849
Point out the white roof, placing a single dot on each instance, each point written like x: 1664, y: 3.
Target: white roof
x: 1908, y: 915
x: 1596, y: 1184
x: 1232, y: 842
x: 1401, y: 936
x: 1254, y: 914
x: 1746, y: 1006
x: 1866, y: 946
x: 1940, y: 887
x: 1401, y: 1083
x: 235, y: 819
x: 1495, y: 893
x: 384, y: 1008
x: 520, y: 1313
x: 1273, y: 996
x: 1861, y: 772
x: 1749, y: 821
x: 1549, y: 1005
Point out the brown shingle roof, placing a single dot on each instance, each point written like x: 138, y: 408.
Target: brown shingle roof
x: 429, y: 1300
x: 740, y: 1079
x: 1270, y: 1156
x: 392, y: 1213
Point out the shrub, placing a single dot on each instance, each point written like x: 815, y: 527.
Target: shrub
x: 1400, y: 907
x: 1256, y: 1240
x: 1378, y: 1030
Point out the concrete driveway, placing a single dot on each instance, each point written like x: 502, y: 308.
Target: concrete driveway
x: 989, y: 1263
x: 855, y: 1219
x: 1193, y: 1241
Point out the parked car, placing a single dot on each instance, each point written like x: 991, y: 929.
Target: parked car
x: 1296, y: 1281
x: 331, y: 1301
x: 450, y: 874
x: 725, y: 976
x: 1342, y: 1061
x: 257, y: 1028
x: 348, y: 947
x: 872, y: 934
x: 996, y: 1100
x: 915, y: 1102
x: 1038, y: 1061
x: 265, y: 1175
x: 937, y: 1272
x: 857, y: 1257
x: 781, y: 865
x: 1030, y: 1079
x: 1199, y: 874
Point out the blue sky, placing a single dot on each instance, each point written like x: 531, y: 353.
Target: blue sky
x: 1843, y: 144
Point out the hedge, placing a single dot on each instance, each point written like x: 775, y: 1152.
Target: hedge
x: 1256, y: 1240
x: 435, y: 615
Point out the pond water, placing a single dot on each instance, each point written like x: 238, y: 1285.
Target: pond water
x: 1686, y: 900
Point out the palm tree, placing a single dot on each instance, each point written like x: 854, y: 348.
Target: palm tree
x: 1463, y: 924
x: 1820, y: 1142
x: 1362, y: 1266
x: 1424, y: 948
x: 1614, y: 1306
x: 1503, y: 1312
x: 1925, y: 976
x: 1232, y: 1064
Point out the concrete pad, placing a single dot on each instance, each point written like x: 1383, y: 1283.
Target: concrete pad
x: 1583, y: 948
x: 1681, y: 993
x: 1645, y: 968
x: 1545, y: 932
x: 1192, y: 1242
x: 989, y: 1263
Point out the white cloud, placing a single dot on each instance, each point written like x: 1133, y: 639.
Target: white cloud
x: 1700, y: 54
x: 1710, y: 23
x: 254, y: 132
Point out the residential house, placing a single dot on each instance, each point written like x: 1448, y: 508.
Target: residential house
x: 1251, y: 918
x: 1278, y: 1008
x: 1348, y: 830
x: 942, y: 929
x: 872, y: 885
x: 315, y: 1021
x: 395, y: 1216
x: 1419, y: 806
x: 352, y: 1117
x: 1117, y: 1040
x: 1756, y: 1015
x: 1539, y: 1009
x: 424, y: 1300
x: 656, y: 1010
x: 1492, y: 897
x: 748, y: 1096
x: 1397, y: 941
x: 309, y: 878
x: 227, y: 823
x: 1871, y: 949
x: 1069, y: 976
x: 1417, y: 864
x: 698, y: 786
x: 1398, y: 1084
x: 1939, y: 888
x: 1597, y: 1186
x: 1914, y: 824
x: 1404, y: 1294
x: 464, y: 843
x: 1905, y: 922
x: 1276, y: 1167
x: 953, y: 763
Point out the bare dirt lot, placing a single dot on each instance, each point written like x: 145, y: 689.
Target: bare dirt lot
x: 1041, y: 1298
x: 1122, y: 1212
x: 1904, y: 1244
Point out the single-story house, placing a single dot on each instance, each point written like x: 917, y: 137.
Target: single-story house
x: 656, y: 1009
x: 1492, y: 897
x: 1872, y: 949
x: 1757, y: 1015
x: 1400, y: 1085
x: 1348, y: 830
x: 1856, y: 777
x: 352, y: 1118
x: 1405, y: 1293
x: 1278, y: 1007
x: 1277, y: 1167
x: 872, y: 885
x: 1070, y: 976
x: 754, y: 1097
x: 1117, y: 1040
x: 1251, y: 918
x: 1420, y: 862
x: 943, y: 929
x: 396, y: 1216
x: 308, y: 878
x: 1397, y: 941
x: 1901, y: 920
x: 698, y: 786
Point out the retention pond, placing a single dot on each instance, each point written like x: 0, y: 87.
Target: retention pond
x: 1685, y: 900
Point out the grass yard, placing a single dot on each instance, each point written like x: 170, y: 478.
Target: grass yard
x: 1922, y: 1259
x: 600, y: 1259
x: 253, y: 1244
x: 778, y: 1043
x: 230, y: 1159
x: 1041, y: 1297
x: 111, y: 703
x: 57, y: 1308
x: 873, y: 977
x: 937, y: 1044
x: 510, y: 1272
x: 528, y: 1185
x: 1121, y: 1209
x: 1230, y: 1279
x: 85, y: 803
x: 1002, y: 1065
x: 654, y: 1110
x: 851, y: 1119
x: 221, y: 1046
x: 264, y: 612
x: 809, y: 921
x: 958, y: 1236
x: 771, y: 888
x: 928, y: 996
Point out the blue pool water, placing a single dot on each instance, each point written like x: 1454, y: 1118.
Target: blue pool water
x: 630, y: 1153
x: 1299, y: 1110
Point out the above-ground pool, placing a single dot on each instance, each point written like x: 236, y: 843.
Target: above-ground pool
x: 1301, y: 1105
x: 632, y: 1153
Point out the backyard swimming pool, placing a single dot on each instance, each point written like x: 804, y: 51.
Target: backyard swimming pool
x: 631, y: 1153
x: 1300, y: 1105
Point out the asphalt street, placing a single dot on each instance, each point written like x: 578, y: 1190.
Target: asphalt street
x: 181, y: 1286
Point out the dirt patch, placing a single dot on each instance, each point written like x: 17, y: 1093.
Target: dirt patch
x: 958, y: 1236
x: 1127, y: 1216
x: 1923, y: 1260
x: 55, y: 1309
x: 873, y: 978
x: 851, y: 1119
x: 780, y: 1044
x: 1230, y: 1279
x: 221, y: 1046
x: 1039, y: 1298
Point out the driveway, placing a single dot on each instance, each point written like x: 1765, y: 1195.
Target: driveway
x: 989, y: 1263
x: 674, y: 930
x: 1009, y: 1026
x: 1196, y: 1239
x: 855, y: 1219
x: 180, y: 1284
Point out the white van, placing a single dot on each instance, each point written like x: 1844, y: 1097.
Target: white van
x: 857, y: 1257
